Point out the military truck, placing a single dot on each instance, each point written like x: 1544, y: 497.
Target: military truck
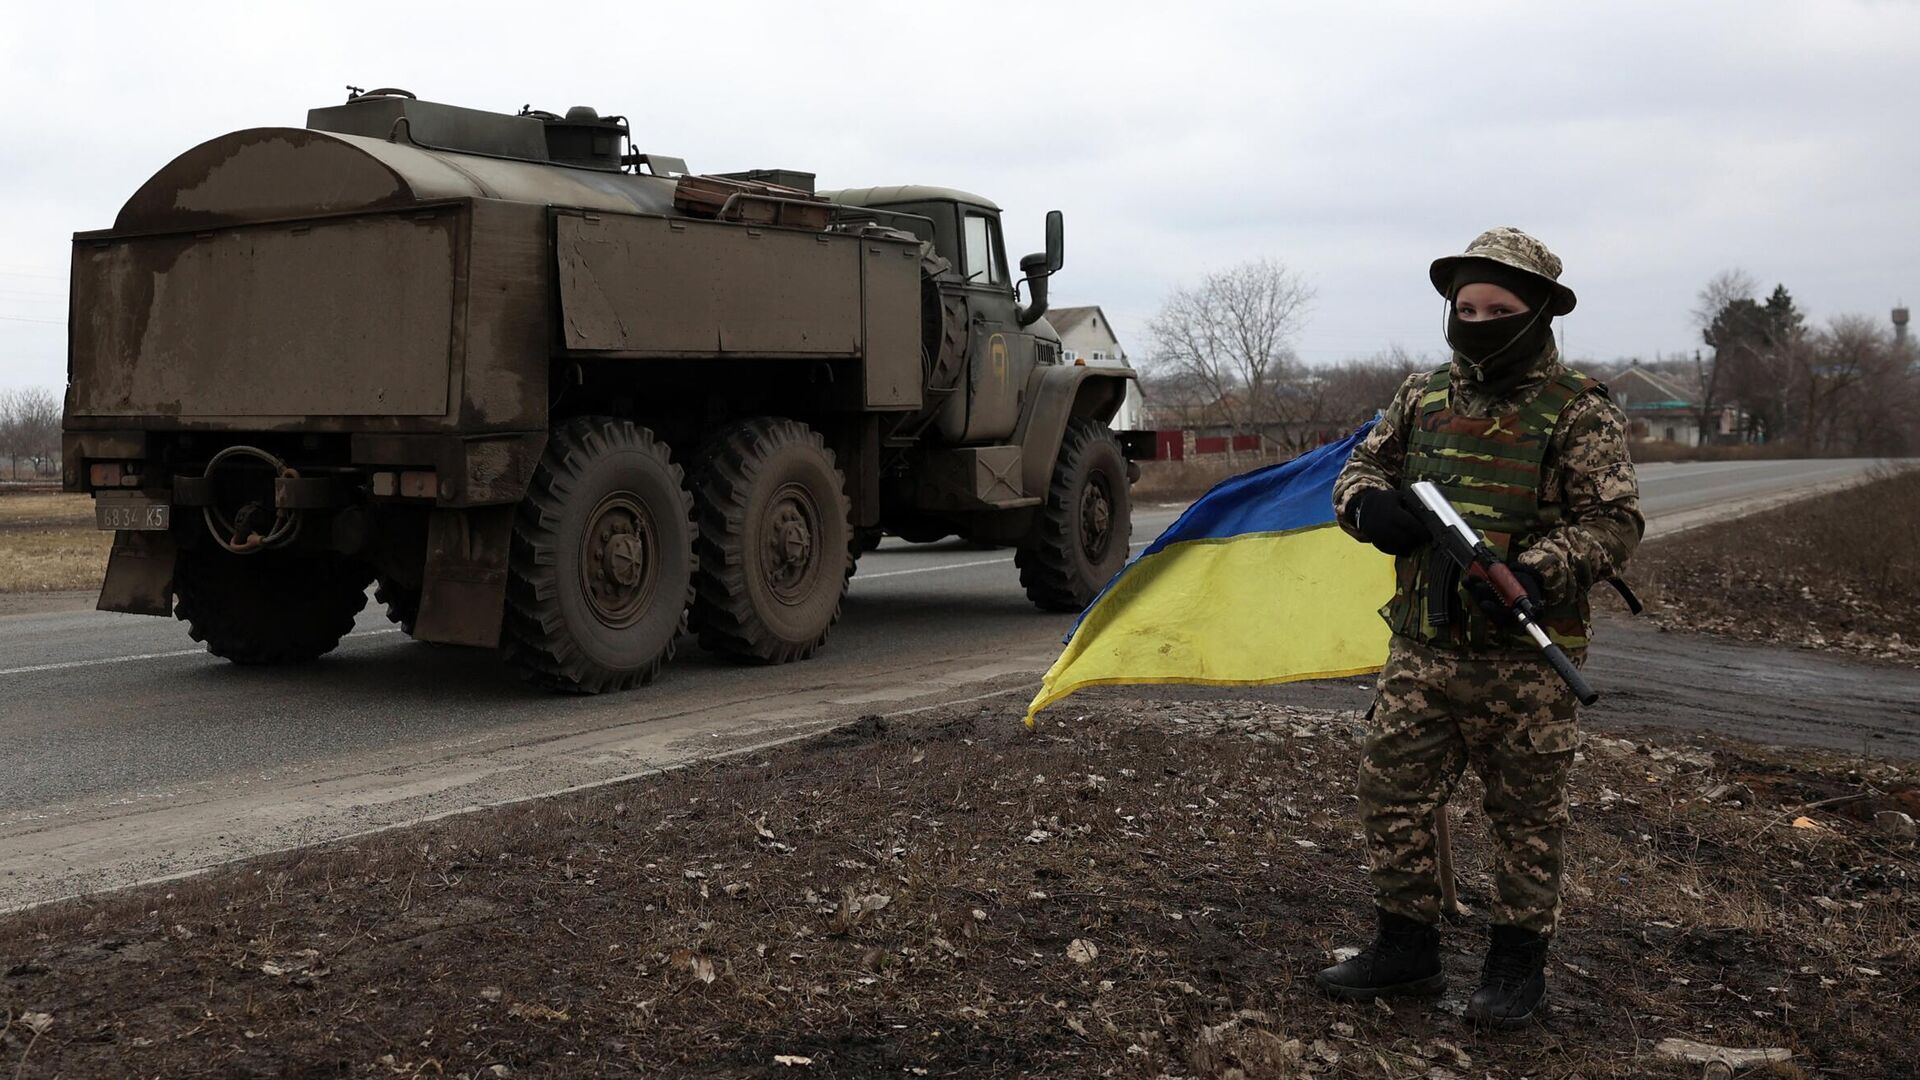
x: 549, y: 394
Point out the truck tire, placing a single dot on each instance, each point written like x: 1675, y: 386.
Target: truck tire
x: 267, y: 608
x: 863, y: 541
x: 775, y: 541
x: 601, y: 567
x: 1081, y: 535
x: 402, y: 603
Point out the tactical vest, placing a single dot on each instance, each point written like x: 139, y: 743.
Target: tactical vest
x: 1490, y: 469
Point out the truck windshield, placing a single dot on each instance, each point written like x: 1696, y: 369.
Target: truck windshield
x: 983, y: 251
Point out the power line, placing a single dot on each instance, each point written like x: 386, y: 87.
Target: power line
x: 45, y: 322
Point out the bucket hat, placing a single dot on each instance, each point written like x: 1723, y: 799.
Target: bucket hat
x: 1510, y: 247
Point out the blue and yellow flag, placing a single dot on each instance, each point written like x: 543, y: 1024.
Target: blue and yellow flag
x: 1255, y: 584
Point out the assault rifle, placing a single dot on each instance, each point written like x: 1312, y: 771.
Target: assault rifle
x: 1459, y: 544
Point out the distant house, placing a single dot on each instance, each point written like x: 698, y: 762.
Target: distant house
x: 1659, y: 406
x: 1087, y: 337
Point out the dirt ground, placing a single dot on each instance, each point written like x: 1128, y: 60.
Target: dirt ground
x: 1836, y: 572
x: 48, y: 542
x: 1142, y: 888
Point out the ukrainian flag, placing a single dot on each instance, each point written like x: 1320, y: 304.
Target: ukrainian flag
x: 1255, y: 584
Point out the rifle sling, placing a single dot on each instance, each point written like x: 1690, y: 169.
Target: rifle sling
x: 1626, y: 593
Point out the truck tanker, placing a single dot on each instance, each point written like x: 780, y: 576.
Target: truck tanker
x: 547, y: 394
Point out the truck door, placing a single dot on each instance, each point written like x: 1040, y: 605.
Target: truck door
x: 1002, y: 353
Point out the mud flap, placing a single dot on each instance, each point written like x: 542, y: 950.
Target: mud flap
x: 139, y: 574
x: 464, y: 594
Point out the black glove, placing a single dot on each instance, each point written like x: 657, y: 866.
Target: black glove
x: 1383, y: 518
x: 1489, y: 601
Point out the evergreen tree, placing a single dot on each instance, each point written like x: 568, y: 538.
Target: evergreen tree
x: 1784, y: 324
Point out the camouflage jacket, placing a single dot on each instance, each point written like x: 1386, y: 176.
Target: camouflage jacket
x: 1586, y: 472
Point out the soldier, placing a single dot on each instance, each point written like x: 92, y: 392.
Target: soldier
x: 1533, y: 455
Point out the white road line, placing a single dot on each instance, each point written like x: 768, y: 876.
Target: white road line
x: 931, y: 569
x: 66, y: 665
x: 946, y: 566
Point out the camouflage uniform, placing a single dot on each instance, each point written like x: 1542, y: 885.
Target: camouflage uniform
x: 1500, y: 708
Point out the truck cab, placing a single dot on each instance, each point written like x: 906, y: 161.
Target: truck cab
x: 1005, y: 341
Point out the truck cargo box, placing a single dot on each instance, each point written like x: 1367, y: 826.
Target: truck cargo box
x: 637, y: 287
x: 265, y: 321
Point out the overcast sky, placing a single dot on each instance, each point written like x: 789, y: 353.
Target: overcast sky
x: 1650, y: 144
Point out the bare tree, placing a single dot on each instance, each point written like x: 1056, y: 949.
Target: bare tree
x: 30, y: 428
x: 1858, y: 392
x: 1172, y: 397
x: 1360, y: 388
x: 1231, y: 335
x: 10, y: 433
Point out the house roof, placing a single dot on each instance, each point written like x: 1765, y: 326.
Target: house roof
x: 1066, y: 318
x: 1640, y: 389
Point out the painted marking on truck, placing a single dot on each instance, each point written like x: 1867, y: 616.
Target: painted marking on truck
x: 997, y: 357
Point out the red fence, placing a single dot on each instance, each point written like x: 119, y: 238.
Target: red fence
x: 1217, y: 444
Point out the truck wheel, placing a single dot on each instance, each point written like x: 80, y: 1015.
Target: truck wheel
x: 267, y: 608
x: 601, y: 568
x: 775, y: 541
x: 402, y: 603
x: 1081, y: 534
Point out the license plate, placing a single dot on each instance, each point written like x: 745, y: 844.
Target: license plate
x: 140, y: 515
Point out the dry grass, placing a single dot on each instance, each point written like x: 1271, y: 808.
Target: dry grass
x: 1837, y: 571
x: 45, y: 508
x: 1142, y: 889
x: 48, y: 543
x: 1184, y: 481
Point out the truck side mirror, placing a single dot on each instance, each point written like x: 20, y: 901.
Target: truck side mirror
x: 1036, y: 267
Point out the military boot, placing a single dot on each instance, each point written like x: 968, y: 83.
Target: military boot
x: 1403, y: 961
x: 1513, y: 982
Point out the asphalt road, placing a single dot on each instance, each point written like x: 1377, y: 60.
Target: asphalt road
x: 130, y: 754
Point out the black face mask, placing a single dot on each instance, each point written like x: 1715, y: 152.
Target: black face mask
x: 1492, y: 344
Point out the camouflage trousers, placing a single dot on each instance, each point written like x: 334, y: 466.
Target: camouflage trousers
x: 1438, y: 711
